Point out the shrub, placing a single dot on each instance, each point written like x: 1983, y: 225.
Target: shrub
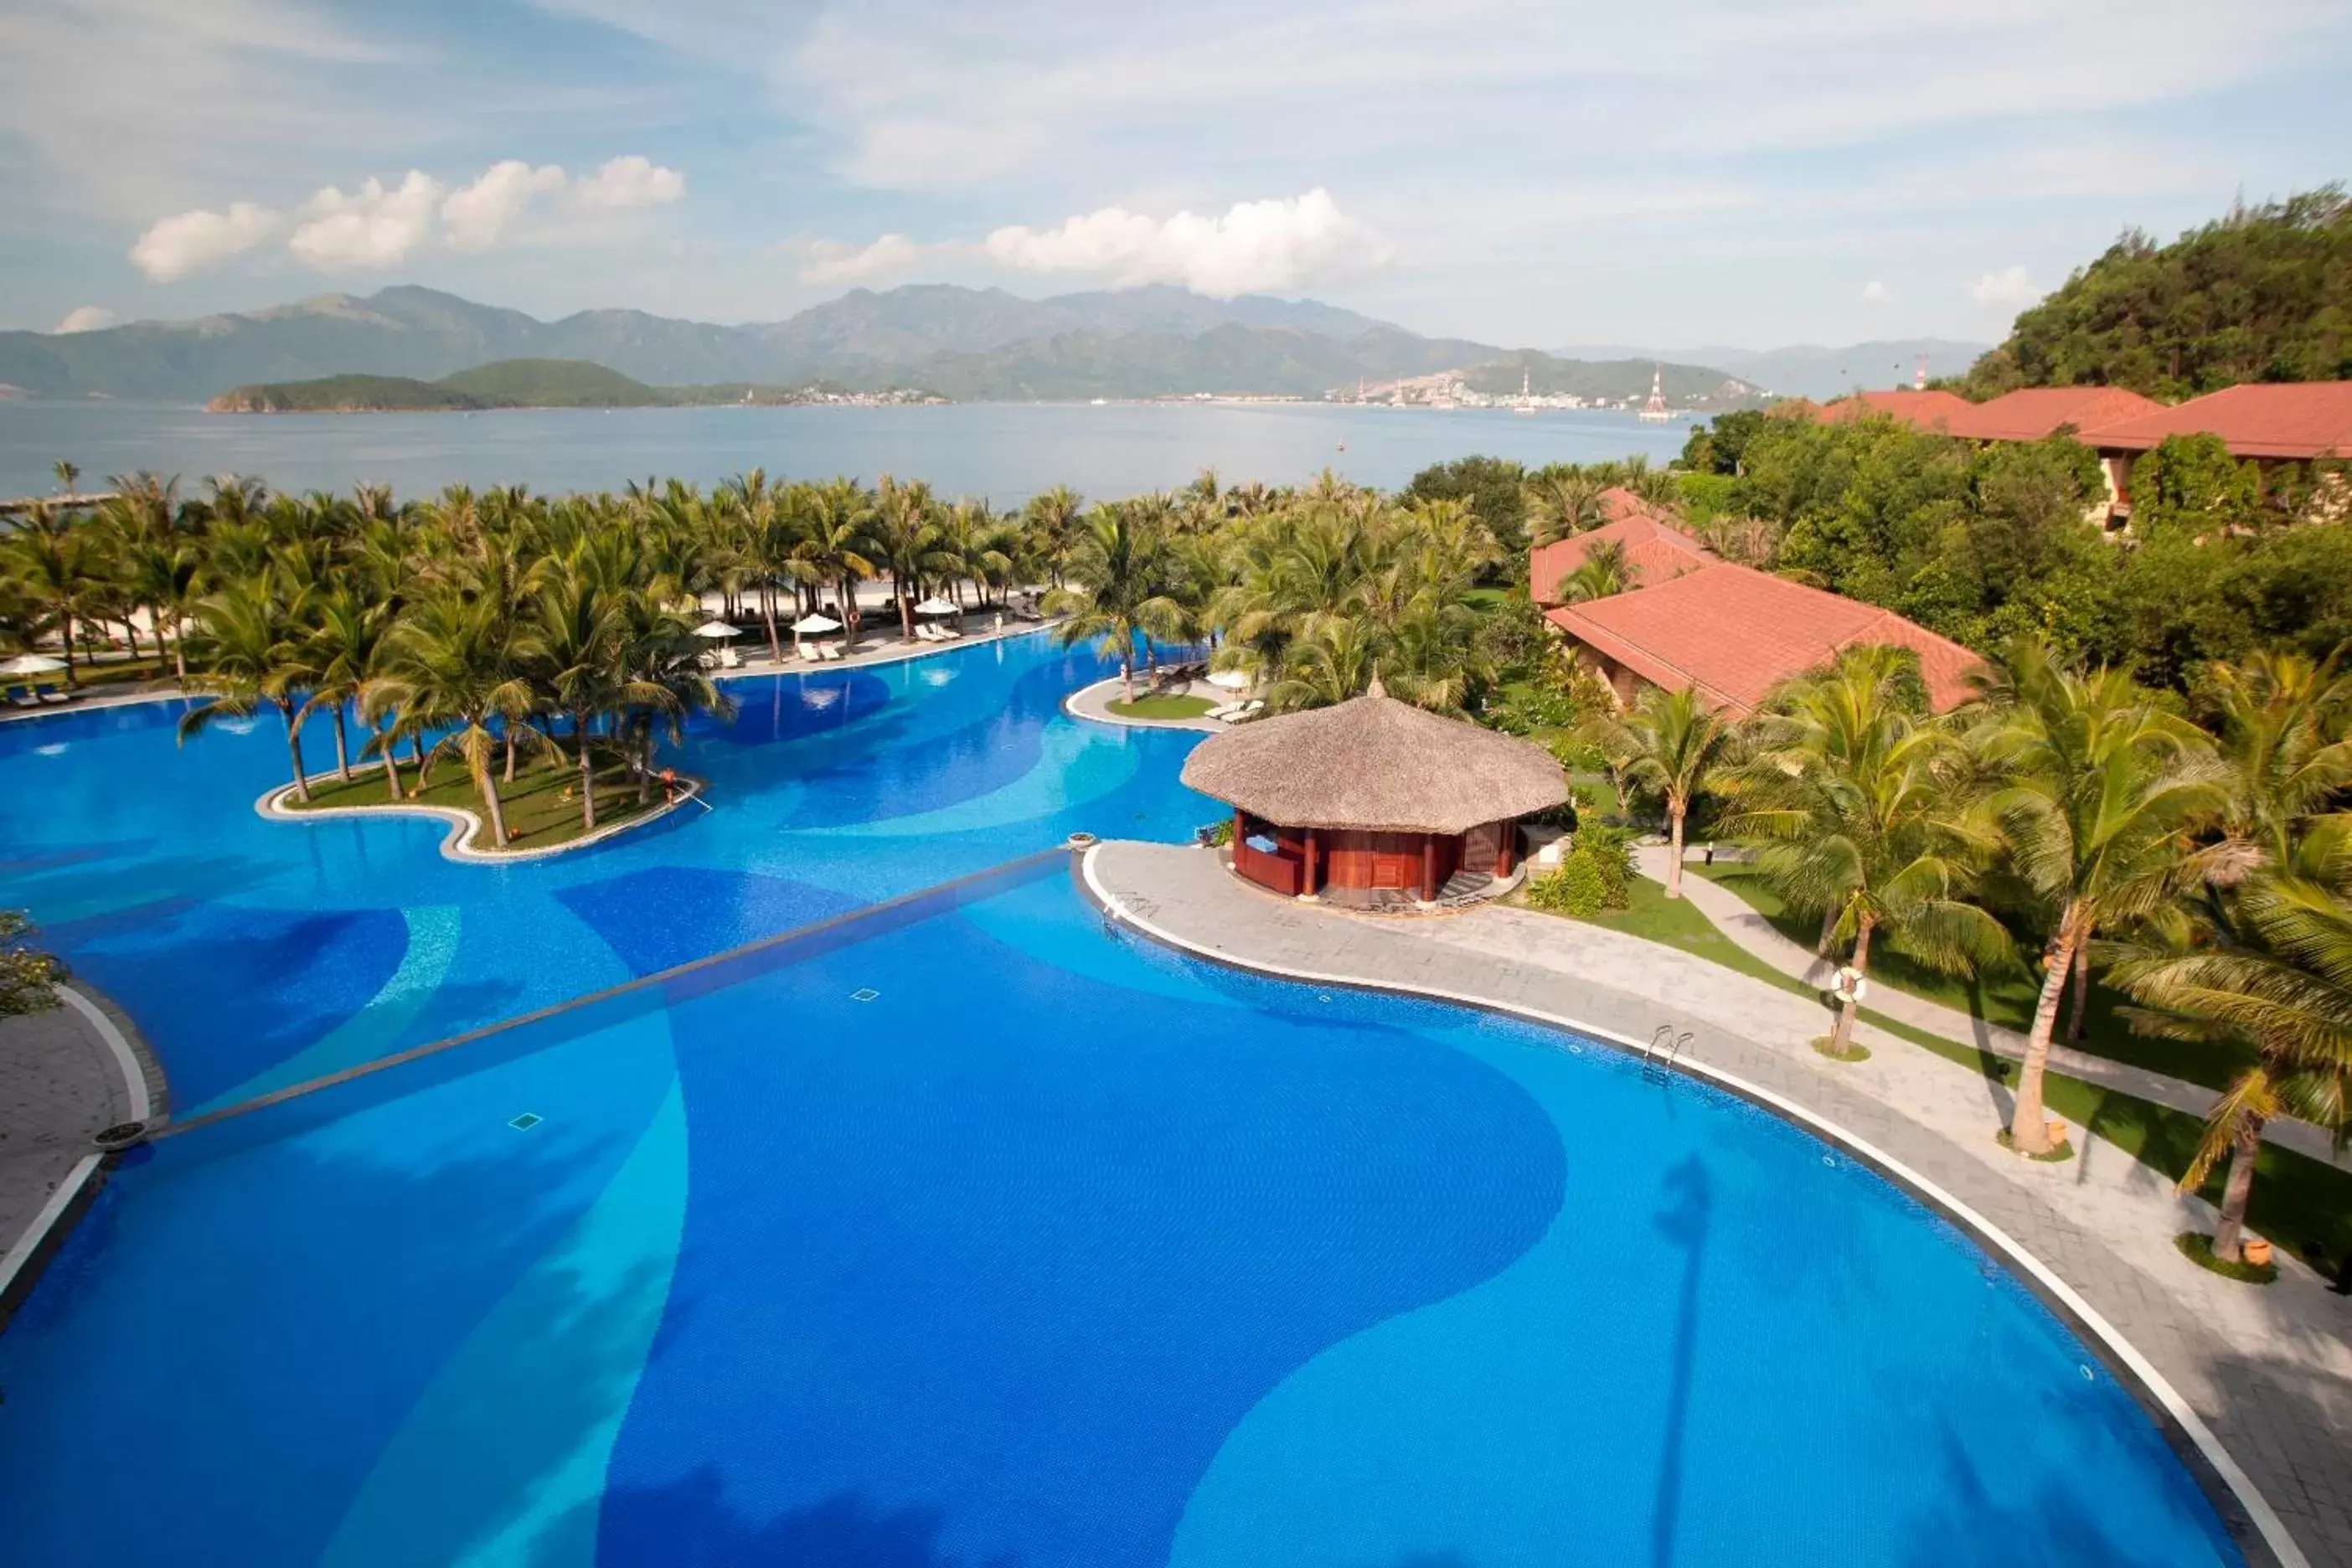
x: 1575, y: 888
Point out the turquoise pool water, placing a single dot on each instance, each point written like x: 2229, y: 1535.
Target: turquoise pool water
x: 970, y: 1234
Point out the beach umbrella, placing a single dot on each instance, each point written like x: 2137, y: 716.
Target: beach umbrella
x: 1231, y: 680
x: 808, y: 625
x: 716, y: 630
x: 936, y: 606
x: 32, y: 664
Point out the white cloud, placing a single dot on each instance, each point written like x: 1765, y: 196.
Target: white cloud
x: 2007, y: 287
x: 1876, y: 293
x: 174, y: 246
x: 86, y: 318
x: 377, y: 226
x: 1253, y: 245
x: 830, y: 261
x: 480, y: 216
x: 370, y: 229
x: 630, y: 182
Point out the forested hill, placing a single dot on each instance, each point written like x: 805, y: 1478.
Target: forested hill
x: 505, y: 384
x: 2264, y: 294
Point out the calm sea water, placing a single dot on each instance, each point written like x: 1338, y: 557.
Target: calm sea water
x: 1006, y: 452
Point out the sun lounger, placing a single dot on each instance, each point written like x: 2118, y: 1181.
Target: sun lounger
x: 1240, y: 712
x: 20, y: 697
x: 50, y: 694
x: 730, y: 659
x: 829, y: 653
x: 812, y: 654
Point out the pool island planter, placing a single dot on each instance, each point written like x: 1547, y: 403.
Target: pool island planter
x: 467, y: 827
x: 1374, y: 803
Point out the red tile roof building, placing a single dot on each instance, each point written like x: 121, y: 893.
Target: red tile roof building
x: 2278, y: 422
x: 1930, y: 411
x: 1655, y: 549
x: 1735, y: 634
x: 2033, y: 412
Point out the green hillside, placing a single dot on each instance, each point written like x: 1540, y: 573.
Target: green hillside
x: 1610, y: 380
x: 2264, y: 294
x: 503, y: 383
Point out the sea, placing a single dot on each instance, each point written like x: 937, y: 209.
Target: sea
x: 1004, y: 452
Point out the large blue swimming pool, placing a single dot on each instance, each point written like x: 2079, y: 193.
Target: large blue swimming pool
x: 969, y: 1235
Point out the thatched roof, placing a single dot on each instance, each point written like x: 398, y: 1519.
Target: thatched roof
x: 1375, y: 764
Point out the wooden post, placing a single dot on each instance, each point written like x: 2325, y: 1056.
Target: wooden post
x: 1429, y: 868
x: 1510, y: 831
x: 1307, y: 881
x: 1240, y: 831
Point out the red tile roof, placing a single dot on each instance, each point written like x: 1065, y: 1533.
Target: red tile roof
x: 1735, y: 634
x: 1926, y: 410
x: 2288, y: 420
x: 1655, y: 548
x: 2031, y: 412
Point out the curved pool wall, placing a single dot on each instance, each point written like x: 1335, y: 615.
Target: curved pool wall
x: 1056, y: 1249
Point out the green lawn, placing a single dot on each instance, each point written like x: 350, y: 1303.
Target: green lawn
x: 2005, y: 998
x: 542, y: 804
x: 1164, y: 706
x: 2301, y: 1204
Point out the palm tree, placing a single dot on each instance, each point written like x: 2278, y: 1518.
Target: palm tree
x: 2270, y: 967
x: 2098, y: 796
x: 451, y: 662
x: 346, y: 642
x: 1054, y: 519
x: 833, y: 546
x: 1117, y: 589
x: 905, y: 535
x: 1671, y: 743
x: 1603, y: 574
x: 1561, y: 505
x: 58, y: 565
x: 253, y: 651
x: 1860, y: 807
x: 579, y: 621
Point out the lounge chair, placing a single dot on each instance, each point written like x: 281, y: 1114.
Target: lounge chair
x: 1240, y: 712
x: 828, y: 653
x: 18, y: 696
x: 730, y: 659
x: 810, y: 653
x: 50, y: 694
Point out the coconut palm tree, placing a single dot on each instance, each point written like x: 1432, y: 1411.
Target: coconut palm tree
x: 906, y: 540
x: 1672, y: 743
x: 452, y: 662
x: 253, y: 651
x: 1117, y: 589
x: 832, y: 548
x: 59, y: 564
x: 1561, y: 505
x: 1860, y: 806
x: 1603, y: 574
x: 1054, y: 520
x: 2099, y: 796
x: 345, y: 648
x: 581, y: 621
x: 2269, y: 965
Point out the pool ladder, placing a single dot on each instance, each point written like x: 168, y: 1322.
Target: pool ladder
x: 1659, y: 1056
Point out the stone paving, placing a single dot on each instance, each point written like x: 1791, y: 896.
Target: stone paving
x: 60, y: 1084
x: 1738, y: 920
x: 2267, y: 1371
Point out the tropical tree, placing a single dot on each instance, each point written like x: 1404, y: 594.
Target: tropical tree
x: 1859, y: 808
x: 580, y: 622
x: 832, y: 549
x: 255, y: 651
x: 2099, y: 796
x: 906, y: 540
x: 346, y: 639
x: 1054, y: 520
x: 1670, y: 742
x: 451, y: 663
x: 58, y: 565
x: 1603, y: 574
x: 2267, y: 966
x: 1116, y: 589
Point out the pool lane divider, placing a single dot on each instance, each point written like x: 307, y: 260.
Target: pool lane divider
x: 2269, y: 1529
x: 696, y: 977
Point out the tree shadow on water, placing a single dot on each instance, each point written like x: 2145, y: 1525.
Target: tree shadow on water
x: 1682, y: 1221
x: 691, y: 1521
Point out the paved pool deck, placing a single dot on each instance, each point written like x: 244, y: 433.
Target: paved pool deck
x: 2258, y: 1380
x: 1093, y: 703
x: 65, y: 1076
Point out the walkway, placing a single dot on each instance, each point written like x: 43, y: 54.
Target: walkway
x: 2266, y: 1372
x: 65, y: 1075
x: 1093, y: 702
x: 1738, y: 920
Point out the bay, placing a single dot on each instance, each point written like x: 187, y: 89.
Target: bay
x: 1006, y: 452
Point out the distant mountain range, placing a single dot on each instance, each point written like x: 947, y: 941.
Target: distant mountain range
x: 976, y: 344
x: 1809, y: 370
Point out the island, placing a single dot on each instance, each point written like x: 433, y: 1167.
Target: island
x: 527, y: 383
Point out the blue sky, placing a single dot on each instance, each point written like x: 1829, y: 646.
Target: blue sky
x: 1714, y: 172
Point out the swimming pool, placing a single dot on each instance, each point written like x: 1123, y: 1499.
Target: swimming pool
x: 968, y: 1233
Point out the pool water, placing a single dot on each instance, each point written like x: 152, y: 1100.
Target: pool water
x: 971, y: 1233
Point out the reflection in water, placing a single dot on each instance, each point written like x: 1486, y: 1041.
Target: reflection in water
x: 1682, y: 1221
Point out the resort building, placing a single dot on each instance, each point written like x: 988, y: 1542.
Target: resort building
x: 1924, y: 410
x: 1376, y: 804
x: 1734, y: 634
x: 1656, y: 547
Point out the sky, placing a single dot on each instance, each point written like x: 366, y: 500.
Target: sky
x: 1742, y: 173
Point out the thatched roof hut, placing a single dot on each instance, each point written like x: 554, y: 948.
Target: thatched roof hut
x: 1375, y: 764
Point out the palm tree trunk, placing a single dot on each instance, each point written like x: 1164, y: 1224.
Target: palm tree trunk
x: 2029, y: 1130
x: 1842, y: 1033
x: 2081, y: 999
x: 2228, y: 1244
x: 767, y: 609
x: 424, y: 763
x: 65, y: 621
x: 391, y: 763
x: 1127, y: 669
x: 294, y: 748
x: 180, y: 658
x: 587, y: 772
x: 1674, y: 849
x: 1828, y: 931
x: 488, y: 786
x: 342, y: 748
x: 511, y: 750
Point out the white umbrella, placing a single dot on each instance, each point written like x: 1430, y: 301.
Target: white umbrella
x: 937, y: 607
x: 716, y: 630
x: 811, y: 623
x: 1231, y: 680
x: 32, y: 664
